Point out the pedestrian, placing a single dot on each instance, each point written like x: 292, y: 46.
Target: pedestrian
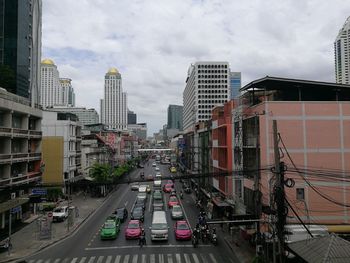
x: 76, y: 212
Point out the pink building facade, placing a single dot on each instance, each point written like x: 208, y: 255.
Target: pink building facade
x: 313, y: 121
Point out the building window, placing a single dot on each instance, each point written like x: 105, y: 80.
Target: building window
x: 300, y: 194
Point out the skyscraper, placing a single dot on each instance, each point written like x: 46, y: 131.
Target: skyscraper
x: 175, y: 117
x: 20, y: 47
x: 235, y: 83
x: 207, y: 85
x: 114, y: 105
x: 342, y: 54
x: 50, y: 88
x: 68, y: 95
x: 132, y: 117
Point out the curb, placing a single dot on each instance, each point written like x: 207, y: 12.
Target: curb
x: 63, y: 237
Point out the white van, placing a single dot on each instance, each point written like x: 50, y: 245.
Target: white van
x: 157, y: 183
x: 142, y: 189
x: 297, y: 232
x: 159, y: 228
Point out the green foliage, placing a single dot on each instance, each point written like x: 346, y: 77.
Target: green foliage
x: 101, y: 173
x: 53, y: 193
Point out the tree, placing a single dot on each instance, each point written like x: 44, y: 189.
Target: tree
x: 101, y: 173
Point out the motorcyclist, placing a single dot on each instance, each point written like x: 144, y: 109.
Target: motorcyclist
x: 142, y: 240
x: 196, y: 231
x: 181, y: 194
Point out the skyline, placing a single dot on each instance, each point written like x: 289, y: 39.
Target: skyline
x: 153, y: 45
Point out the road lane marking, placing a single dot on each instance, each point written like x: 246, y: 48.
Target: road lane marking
x: 170, y: 258
x: 82, y: 260
x: 135, y: 258
x: 152, y: 258
x: 161, y: 258
x: 109, y: 259
x: 40, y: 261
x: 184, y: 211
x: 178, y: 258
x: 47, y: 261
x: 117, y: 259
x: 100, y: 259
x: 212, y: 258
x: 195, y: 258
x: 126, y: 259
x: 150, y: 203
x: 143, y: 259
x: 31, y: 261
x: 147, y: 246
x: 187, y: 258
x: 204, y: 259
x: 57, y: 260
x: 74, y: 260
x: 91, y: 259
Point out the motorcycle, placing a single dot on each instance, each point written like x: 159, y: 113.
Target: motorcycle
x: 181, y: 195
x: 213, y: 237
x: 142, y: 241
x: 205, y: 234
x: 194, y: 241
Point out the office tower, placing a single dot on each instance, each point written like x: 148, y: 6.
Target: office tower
x: 342, y: 54
x: 20, y: 47
x: 132, y: 117
x: 235, y: 84
x: 50, y: 89
x: 68, y: 95
x: 175, y: 117
x: 114, y: 104
x: 85, y: 116
x: 207, y: 85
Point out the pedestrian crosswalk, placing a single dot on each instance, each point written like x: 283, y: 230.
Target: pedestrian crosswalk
x: 137, y: 258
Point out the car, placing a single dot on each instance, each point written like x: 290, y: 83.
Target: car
x: 145, y: 188
x: 159, y: 227
x: 154, y: 164
x: 133, y: 230
x: 173, y: 169
x: 110, y: 228
x: 135, y: 187
x: 157, y: 195
x: 158, y: 205
x: 182, y: 230
x: 186, y: 187
x: 176, y: 212
x: 172, y: 201
x: 167, y: 188
x: 170, y: 182
x: 137, y: 213
x: 173, y: 192
x: 157, y: 183
x: 121, y: 213
x: 157, y: 168
x: 60, y: 213
x: 140, y: 203
x: 142, y: 196
x: 149, y: 177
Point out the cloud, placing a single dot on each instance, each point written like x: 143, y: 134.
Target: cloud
x: 152, y: 43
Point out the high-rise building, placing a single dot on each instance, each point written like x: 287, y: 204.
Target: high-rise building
x: 50, y: 89
x: 207, y: 85
x: 85, y: 116
x: 235, y: 83
x: 20, y: 47
x: 342, y: 54
x: 132, y: 117
x: 114, y: 105
x: 175, y: 117
x: 139, y: 129
x: 68, y: 95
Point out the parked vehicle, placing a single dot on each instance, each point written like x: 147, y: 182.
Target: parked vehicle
x: 60, y: 213
x: 182, y: 230
x: 133, y: 230
x: 159, y: 228
x: 121, y: 213
x: 176, y: 212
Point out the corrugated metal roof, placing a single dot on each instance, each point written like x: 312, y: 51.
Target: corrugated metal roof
x: 330, y: 248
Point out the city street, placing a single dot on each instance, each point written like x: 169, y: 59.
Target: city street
x: 85, y: 245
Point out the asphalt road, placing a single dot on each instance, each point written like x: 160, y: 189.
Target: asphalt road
x: 85, y: 246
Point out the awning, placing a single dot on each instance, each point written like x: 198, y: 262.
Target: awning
x: 205, y: 193
x: 338, y: 228
x: 7, y: 205
x: 220, y: 203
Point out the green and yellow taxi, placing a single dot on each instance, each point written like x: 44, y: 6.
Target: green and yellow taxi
x: 173, y: 169
x: 110, y: 228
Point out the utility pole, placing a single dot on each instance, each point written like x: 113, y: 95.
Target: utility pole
x: 279, y: 194
x: 257, y: 182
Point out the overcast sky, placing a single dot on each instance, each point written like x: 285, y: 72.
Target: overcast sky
x: 152, y: 44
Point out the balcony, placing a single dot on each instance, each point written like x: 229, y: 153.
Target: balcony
x: 5, y: 158
x: 5, y: 131
x: 35, y: 134
x: 34, y: 156
x: 19, y: 157
x: 20, y: 133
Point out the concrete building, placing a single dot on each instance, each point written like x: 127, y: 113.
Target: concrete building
x: 20, y: 154
x: 50, y: 89
x: 68, y: 95
x: 62, y: 132
x: 132, y: 117
x: 140, y: 130
x: 114, y: 104
x: 207, y: 85
x: 20, y: 47
x: 235, y: 84
x: 85, y: 116
x: 342, y: 54
x: 314, y: 131
x: 175, y: 117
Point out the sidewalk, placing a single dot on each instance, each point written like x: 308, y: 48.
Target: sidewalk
x: 26, y: 241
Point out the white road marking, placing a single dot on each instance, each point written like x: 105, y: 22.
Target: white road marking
x: 74, y: 260
x: 91, y: 259
x: 195, y: 258
x: 82, y: 260
x: 183, y: 209
x: 150, y: 203
x: 31, y: 261
x: 170, y: 258
x: 212, y: 258
x: 109, y: 259
x: 152, y: 258
x: 100, y: 259
x: 204, y: 259
x: 40, y: 261
x: 178, y: 258
x: 147, y: 246
x: 126, y: 259
x: 57, y: 260
x: 117, y: 259
x: 187, y: 258
x: 64, y: 260
x: 135, y: 258
x: 161, y: 258
x: 47, y: 261
x: 143, y: 260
